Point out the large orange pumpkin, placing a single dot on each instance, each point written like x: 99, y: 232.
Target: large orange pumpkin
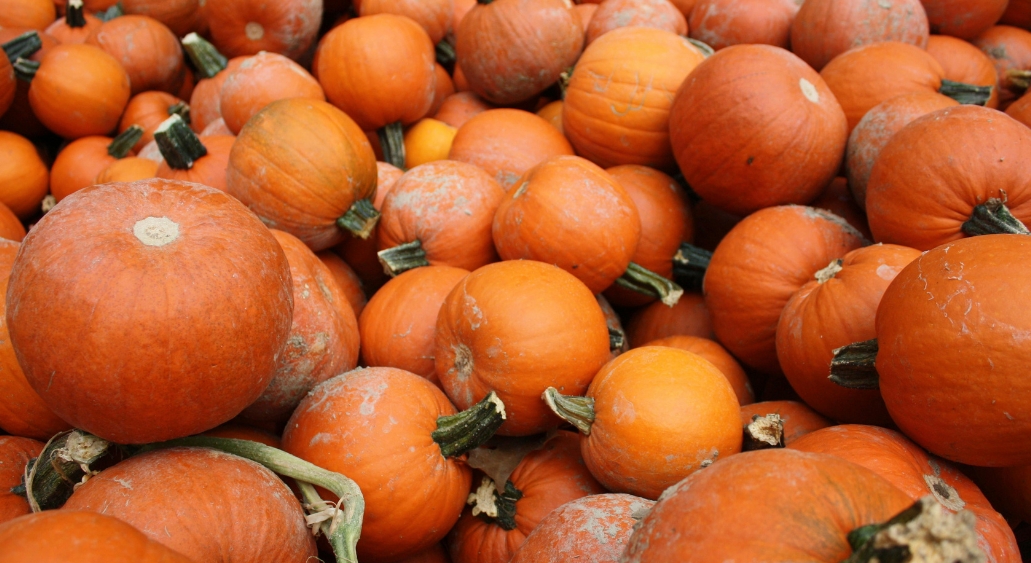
x: 148, y: 51
x: 35, y: 14
x: 722, y: 23
x: 964, y: 62
x: 23, y: 175
x: 242, y: 27
x: 260, y: 80
x: 963, y: 18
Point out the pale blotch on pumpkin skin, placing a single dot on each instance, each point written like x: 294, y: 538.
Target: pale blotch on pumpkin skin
x: 156, y: 231
x: 254, y: 31
x: 809, y: 91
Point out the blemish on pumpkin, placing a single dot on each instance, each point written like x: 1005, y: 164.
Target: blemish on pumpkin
x: 156, y: 231
x: 750, y: 160
x: 809, y: 91
x: 463, y: 366
x: 946, y: 495
x: 254, y: 31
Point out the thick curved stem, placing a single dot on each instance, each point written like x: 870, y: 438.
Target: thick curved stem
x: 854, y: 366
x: 644, y: 281
x: 25, y: 69
x: 966, y: 93
x: 992, y: 218
x: 360, y: 219
x: 23, y: 46
x: 124, y: 142
x: 689, y: 266
x: 74, y: 15
x: 403, y: 257
x: 925, y: 528
x: 178, y: 143
x: 204, y: 55
x: 458, y: 433
x: 392, y: 141
x: 578, y: 411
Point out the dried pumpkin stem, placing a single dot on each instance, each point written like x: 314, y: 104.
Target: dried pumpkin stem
x: 182, y: 109
x: 25, y: 70
x: 763, y: 433
x: 853, y: 366
x: 564, y: 79
x: 74, y: 15
x: 925, y: 528
x: 458, y: 433
x: 689, y: 266
x: 993, y: 217
x: 178, y: 143
x: 578, y: 411
x: 966, y: 93
x: 642, y: 280
x: 111, y: 13
x: 23, y: 46
x: 62, y: 466
x: 446, y: 55
x: 403, y: 257
x: 392, y: 141
x: 1019, y: 78
x: 204, y: 55
x: 125, y: 141
x: 495, y: 506
x: 616, y: 339
x: 360, y: 219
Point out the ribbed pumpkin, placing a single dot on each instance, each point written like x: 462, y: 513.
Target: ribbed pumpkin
x: 434, y: 16
x: 688, y: 317
x: 79, y: 162
x: 242, y: 27
x: 963, y: 18
x: 733, y: 96
x: 260, y: 80
x: 617, y: 102
x: 722, y: 23
x: 15, y: 453
x: 131, y: 287
x: 1009, y: 48
x: 652, y: 14
x: 23, y: 175
x: 147, y: 49
x: 964, y: 62
x: 718, y: 356
x: 798, y: 418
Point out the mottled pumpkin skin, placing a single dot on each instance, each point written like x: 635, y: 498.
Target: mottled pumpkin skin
x: 171, y: 328
x: 799, y: 419
x: 963, y: 18
x: 260, y: 80
x: 722, y: 23
x: 15, y: 453
x: 1009, y: 49
x: 972, y: 293
x: 205, y: 504
x: 147, y: 49
x: 653, y: 14
x: 241, y: 27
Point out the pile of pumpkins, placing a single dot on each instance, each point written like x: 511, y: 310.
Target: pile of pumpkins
x: 515, y: 280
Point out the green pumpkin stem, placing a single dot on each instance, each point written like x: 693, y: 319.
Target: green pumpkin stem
x: 403, y: 257
x: 446, y: 56
x: 966, y: 93
x: 484, y: 1
x: 63, y: 464
x: 25, y: 69
x: 854, y: 366
x: 705, y: 48
x: 74, y: 15
x: 125, y: 141
x: 178, y: 143
x: 763, y: 433
x: 111, y: 13
x: 204, y: 55
x: 578, y: 411
x: 23, y: 46
x: 617, y: 338
x: 360, y: 219
x: 458, y: 433
x: 182, y: 109
x: 689, y: 266
x: 925, y: 528
x: 993, y: 217
x: 1019, y: 78
x: 642, y: 280
x: 392, y: 142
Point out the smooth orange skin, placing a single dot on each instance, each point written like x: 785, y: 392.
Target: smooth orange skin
x: 757, y: 267
x: 429, y: 140
x: 205, y: 504
x: 507, y: 143
x: 718, y: 356
x: 15, y: 453
x: 180, y: 16
x: 586, y: 13
x: 34, y: 14
x: 728, y: 102
x: 241, y: 27
x: 548, y: 478
x: 11, y: 228
x: 206, y: 99
x: 23, y: 175
x: 239, y: 431
x: 345, y: 278
x: 838, y: 199
x: 907, y: 466
x: 799, y: 419
x: 341, y: 426
x: 654, y: 14
x: 78, y: 164
x: 722, y: 23
x: 260, y: 80
x: 968, y: 401
x: 148, y: 110
x: 434, y: 16
x: 85, y: 537
x: 666, y: 221
x: 376, y: 86
x: 659, y: 414
x: 986, y: 163
x: 617, y: 103
x: 963, y: 18
x: 306, y: 152
x: 64, y: 33
x: 821, y: 317
x: 964, y: 62
x: 461, y: 107
x: 1009, y: 48
x: 824, y: 29
x: 488, y: 338
x: 552, y: 112
x: 323, y: 339
x: 128, y: 169
x: 146, y: 48
x: 768, y: 505
x: 445, y: 86
x: 83, y: 273
x: 209, y: 169
x: 512, y: 50
x: 83, y: 77
x: 877, y: 127
x: 570, y: 532
x: 569, y: 212
x: 1021, y: 110
x: 689, y: 317
x: 1008, y: 488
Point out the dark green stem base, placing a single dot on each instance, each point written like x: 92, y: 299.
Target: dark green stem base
x: 578, y: 411
x: 644, y: 281
x: 689, y: 266
x: 458, y: 433
x: 392, y: 142
x: 74, y: 15
x: 445, y: 52
x: 966, y: 93
x: 854, y: 366
x: 25, y: 69
x: 360, y: 219
x: 204, y: 55
x: 125, y: 141
x: 178, y: 143
x: 992, y: 218
x: 182, y: 109
x: 617, y: 338
x: 938, y: 535
x: 403, y: 257
x: 23, y: 46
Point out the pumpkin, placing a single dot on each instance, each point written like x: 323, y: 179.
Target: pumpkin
x: 1009, y: 49
x: 877, y: 127
x: 722, y: 23
x: 963, y: 18
x: 180, y: 16
x: 260, y: 80
x: 427, y: 141
x: 483, y: 341
x: 78, y: 164
x: 512, y: 50
x: 688, y: 317
x: 964, y: 62
x: 756, y: 268
x: 80, y: 278
x: 507, y: 143
x: 1007, y: 488
x: 33, y: 14
x: 129, y: 169
x: 8, y: 85
x: 148, y: 110
x: 618, y: 342
x: 552, y: 113
x: 593, y: 528
x: 206, y: 504
x: 216, y: 127
x: 905, y: 465
x: 655, y: 14
x: 11, y: 227
x: 21, y: 42
x: 927, y: 189
x: 241, y: 27
x: 75, y: 26
x: 82, y: 77
x: 434, y: 16
x: 15, y: 453
x: 1017, y: 14
x: 23, y: 175
x: 361, y: 254
x: 439, y: 213
x: 213, y: 68
x: 1021, y: 110
x: 732, y: 95
x: 313, y: 155
x: 323, y: 339
x: 617, y: 102
x: 244, y: 432
x: 460, y: 107
x: 444, y: 87
x: 824, y: 29
x: 501, y: 517
x: 838, y: 199
x: 341, y: 426
x: 718, y: 356
x: 625, y: 453
x: 189, y: 158
x: 586, y: 13
x: 85, y: 537
x: 148, y: 51
x: 798, y: 419
x: 346, y: 279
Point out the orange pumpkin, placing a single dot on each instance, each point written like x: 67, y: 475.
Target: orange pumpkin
x: 129, y: 169
x: 838, y: 199
x: 689, y: 317
x: 260, y: 80
x: 180, y: 16
x: 1018, y: 14
x: 147, y: 50
x: 722, y: 23
x: 460, y: 107
x: 23, y: 175
x: 964, y: 62
x: 241, y: 27
x: 34, y: 14
x: 21, y: 41
x: 1009, y: 48
x: 190, y: 158
x: 213, y: 69
x: 361, y: 254
x: 963, y: 18
x: 718, y: 356
x: 434, y: 16
x: 75, y: 26
x: 11, y: 228
x: 428, y: 141
x: 346, y: 279
x: 654, y: 14
x: 799, y: 420
x: 15, y: 453
x: 78, y: 164
x: 148, y: 110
